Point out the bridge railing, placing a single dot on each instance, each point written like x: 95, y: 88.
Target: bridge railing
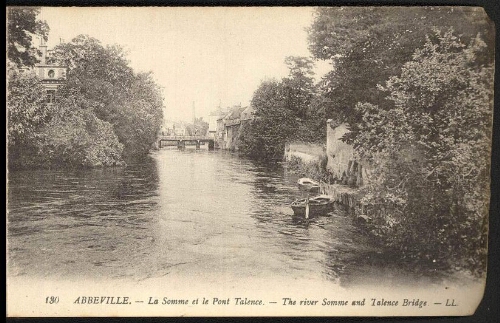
x: 185, y: 138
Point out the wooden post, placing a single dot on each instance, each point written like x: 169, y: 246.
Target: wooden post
x: 307, y: 207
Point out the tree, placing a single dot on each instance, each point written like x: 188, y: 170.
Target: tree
x: 131, y: 102
x: 302, y: 98
x: 75, y: 137
x: 64, y: 134
x: 299, y: 85
x: 429, y: 150
x: 103, y: 112
x: 285, y: 111
x: 26, y: 108
x: 198, y: 128
x: 100, y: 73
x: 27, y: 112
x: 22, y: 25
x: 367, y: 45
x: 273, y: 125
x: 139, y: 116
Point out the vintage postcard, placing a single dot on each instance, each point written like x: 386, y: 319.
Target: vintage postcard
x: 248, y: 161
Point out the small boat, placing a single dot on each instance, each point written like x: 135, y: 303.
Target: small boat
x: 323, y: 198
x: 308, y: 185
x: 318, y: 205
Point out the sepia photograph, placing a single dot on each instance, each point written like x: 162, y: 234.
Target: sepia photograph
x: 248, y: 161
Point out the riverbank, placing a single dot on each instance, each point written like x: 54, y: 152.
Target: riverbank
x: 345, y: 197
x: 314, y: 165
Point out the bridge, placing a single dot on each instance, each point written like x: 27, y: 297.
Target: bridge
x: 182, y: 141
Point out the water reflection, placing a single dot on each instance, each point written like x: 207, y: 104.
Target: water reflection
x: 69, y: 222
x: 190, y: 212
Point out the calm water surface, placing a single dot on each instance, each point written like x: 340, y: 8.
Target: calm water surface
x: 193, y: 212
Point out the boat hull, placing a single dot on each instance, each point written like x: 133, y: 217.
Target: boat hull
x: 316, y: 207
x: 309, y: 188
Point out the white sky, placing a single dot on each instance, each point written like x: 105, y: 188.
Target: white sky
x: 200, y: 55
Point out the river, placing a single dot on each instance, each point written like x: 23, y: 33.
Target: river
x: 194, y: 213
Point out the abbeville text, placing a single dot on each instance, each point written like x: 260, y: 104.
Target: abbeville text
x: 108, y: 300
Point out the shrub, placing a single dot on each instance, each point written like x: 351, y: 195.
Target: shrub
x: 430, y: 151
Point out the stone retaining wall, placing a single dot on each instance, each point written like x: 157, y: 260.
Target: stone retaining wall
x: 343, y: 166
x: 345, y: 196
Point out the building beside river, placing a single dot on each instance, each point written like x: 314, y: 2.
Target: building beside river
x: 232, y: 123
x: 212, y: 126
x: 171, y: 128
x: 229, y: 125
x: 51, y: 75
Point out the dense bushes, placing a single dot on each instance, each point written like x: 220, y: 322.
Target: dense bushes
x: 285, y: 110
x: 26, y: 115
x: 429, y: 149
x: 131, y: 102
x: 66, y: 133
x: 426, y: 133
x: 102, y: 114
x: 367, y: 45
x: 76, y: 137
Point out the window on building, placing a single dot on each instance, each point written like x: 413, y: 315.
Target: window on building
x: 51, y: 95
x: 52, y: 74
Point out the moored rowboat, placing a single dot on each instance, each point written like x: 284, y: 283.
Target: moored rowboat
x: 309, y: 185
x: 318, y: 206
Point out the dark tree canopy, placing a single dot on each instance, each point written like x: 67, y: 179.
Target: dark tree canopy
x: 22, y: 26
x: 198, y: 128
x: 367, y: 45
x: 429, y: 152
x: 131, y: 102
x: 102, y: 114
x: 286, y: 110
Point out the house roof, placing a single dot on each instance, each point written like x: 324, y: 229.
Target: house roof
x: 235, y: 112
x: 247, y: 113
